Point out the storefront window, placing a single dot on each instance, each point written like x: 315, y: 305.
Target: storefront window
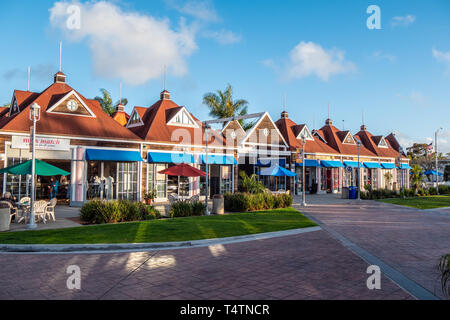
x: 160, y: 181
x: 18, y: 186
x: 225, y: 179
x: 323, y: 179
x: 127, y: 181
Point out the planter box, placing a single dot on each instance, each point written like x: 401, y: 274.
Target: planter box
x: 5, y: 219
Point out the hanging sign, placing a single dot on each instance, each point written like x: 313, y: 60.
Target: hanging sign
x: 41, y: 143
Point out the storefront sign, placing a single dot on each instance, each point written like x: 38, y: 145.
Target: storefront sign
x: 41, y: 143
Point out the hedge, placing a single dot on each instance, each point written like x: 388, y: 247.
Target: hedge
x: 101, y: 212
x: 245, y: 202
x: 187, y: 209
x: 409, y: 193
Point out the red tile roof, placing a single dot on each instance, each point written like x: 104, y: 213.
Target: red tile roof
x: 371, y: 142
x: 102, y: 126
x: 155, y: 126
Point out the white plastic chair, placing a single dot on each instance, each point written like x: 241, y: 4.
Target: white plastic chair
x: 50, y: 210
x: 40, y: 210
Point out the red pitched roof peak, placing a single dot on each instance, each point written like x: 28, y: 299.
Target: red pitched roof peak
x: 329, y: 122
x: 60, y: 77
x: 165, y: 95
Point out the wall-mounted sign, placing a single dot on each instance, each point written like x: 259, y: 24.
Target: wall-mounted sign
x: 41, y: 143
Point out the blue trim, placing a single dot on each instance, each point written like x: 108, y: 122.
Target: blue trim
x: 331, y: 164
x: 353, y: 164
x: 309, y: 163
x: 165, y: 157
x: 405, y: 166
x: 388, y: 165
x: 372, y: 165
x: 113, y: 155
x: 216, y: 159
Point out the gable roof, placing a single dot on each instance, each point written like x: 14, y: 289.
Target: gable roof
x: 290, y: 130
x: 257, y: 124
x: 102, y: 126
x: 121, y: 117
x: 332, y: 135
x: 155, y: 124
x: 371, y: 142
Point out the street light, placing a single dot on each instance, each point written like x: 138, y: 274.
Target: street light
x: 401, y: 172
x: 358, y: 145
x: 35, y: 114
x: 207, y: 127
x: 436, y: 158
x: 303, y: 172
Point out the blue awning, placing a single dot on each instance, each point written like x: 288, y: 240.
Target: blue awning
x: 331, y: 164
x: 309, y: 163
x: 405, y: 166
x: 388, y: 165
x: 166, y: 157
x: 277, y: 171
x: 433, y: 173
x: 372, y: 165
x: 112, y: 155
x: 353, y: 164
x: 219, y: 159
x: 271, y: 162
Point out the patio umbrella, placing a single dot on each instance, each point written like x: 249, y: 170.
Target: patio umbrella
x: 183, y: 170
x: 41, y: 169
x: 277, y: 171
x: 432, y: 173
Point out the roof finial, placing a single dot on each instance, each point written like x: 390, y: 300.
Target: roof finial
x: 120, y: 94
x: 363, y: 126
x: 29, y: 75
x: 60, y: 55
x: 165, y: 76
x: 328, y: 110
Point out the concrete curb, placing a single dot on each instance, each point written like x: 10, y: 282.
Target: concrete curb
x: 140, y: 247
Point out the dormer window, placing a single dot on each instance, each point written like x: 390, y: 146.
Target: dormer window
x: 382, y: 143
x: 305, y: 133
x: 71, y: 104
x: 348, y: 139
x: 182, y: 118
x: 14, y: 108
x: 135, y: 120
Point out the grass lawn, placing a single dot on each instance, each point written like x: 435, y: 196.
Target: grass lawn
x: 430, y: 202
x: 179, y: 229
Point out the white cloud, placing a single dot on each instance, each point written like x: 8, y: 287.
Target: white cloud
x: 403, y: 21
x: 223, y: 36
x: 419, y: 99
x: 310, y: 59
x: 199, y: 9
x: 128, y: 45
x: 443, y: 57
x: 380, y: 55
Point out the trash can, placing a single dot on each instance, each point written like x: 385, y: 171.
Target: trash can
x: 352, y: 192
x: 218, y: 204
x: 5, y: 218
x: 345, y: 193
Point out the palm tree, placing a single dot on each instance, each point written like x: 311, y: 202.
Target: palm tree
x: 251, y: 184
x: 222, y: 105
x: 416, y: 176
x: 106, y: 102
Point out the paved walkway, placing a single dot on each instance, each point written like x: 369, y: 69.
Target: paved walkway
x: 305, y: 266
x: 65, y: 218
x: 407, y: 239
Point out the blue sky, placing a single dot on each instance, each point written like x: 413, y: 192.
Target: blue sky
x: 315, y: 52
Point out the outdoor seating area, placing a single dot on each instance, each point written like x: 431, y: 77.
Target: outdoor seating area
x: 44, y: 211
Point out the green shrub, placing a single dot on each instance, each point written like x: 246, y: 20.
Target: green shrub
x: 187, y: 209
x: 245, y: 202
x: 443, y: 189
x: 100, y: 212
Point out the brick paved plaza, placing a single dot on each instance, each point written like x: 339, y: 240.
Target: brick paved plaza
x: 313, y: 265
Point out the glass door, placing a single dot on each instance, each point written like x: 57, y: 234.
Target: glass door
x: 127, y: 181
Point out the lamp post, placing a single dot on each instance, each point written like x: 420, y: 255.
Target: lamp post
x: 436, y: 158
x: 401, y: 172
x: 303, y: 173
x: 207, y: 127
x: 35, y: 113
x: 358, y: 145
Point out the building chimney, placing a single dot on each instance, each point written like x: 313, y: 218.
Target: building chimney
x: 284, y: 115
x: 60, y: 77
x: 329, y: 122
x: 165, y: 95
x: 363, y: 128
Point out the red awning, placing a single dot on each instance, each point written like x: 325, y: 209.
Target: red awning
x: 183, y: 170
